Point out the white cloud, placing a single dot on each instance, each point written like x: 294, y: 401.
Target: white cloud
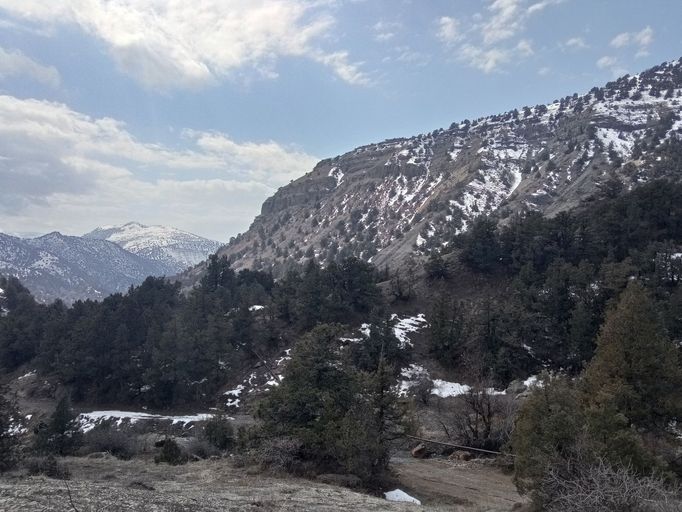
x: 14, y: 63
x: 606, y: 62
x: 346, y: 70
x: 576, y: 43
x: 544, y: 71
x: 385, y: 30
x: 448, y: 30
x: 621, y: 40
x: 493, y: 38
x: 60, y: 169
x: 486, y: 60
x: 641, y: 40
x: 612, y: 64
x: 525, y: 48
x: 506, y: 20
x: 176, y: 44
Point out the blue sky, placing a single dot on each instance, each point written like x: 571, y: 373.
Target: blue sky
x: 191, y: 113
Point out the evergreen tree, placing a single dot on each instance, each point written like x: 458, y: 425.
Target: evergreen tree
x: 547, y: 430
x: 61, y: 435
x: 481, y: 249
x: 631, y: 386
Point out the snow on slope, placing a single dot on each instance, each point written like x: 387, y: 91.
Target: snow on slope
x: 386, y: 201
x: 70, y: 267
x: 175, y: 249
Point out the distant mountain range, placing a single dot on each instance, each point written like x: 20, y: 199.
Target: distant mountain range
x: 104, y: 261
x: 176, y: 250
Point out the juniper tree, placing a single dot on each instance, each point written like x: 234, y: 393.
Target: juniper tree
x: 631, y: 386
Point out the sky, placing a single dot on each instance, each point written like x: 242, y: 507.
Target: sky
x: 190, y: 113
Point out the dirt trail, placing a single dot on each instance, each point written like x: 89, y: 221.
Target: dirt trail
x: 472, y: 484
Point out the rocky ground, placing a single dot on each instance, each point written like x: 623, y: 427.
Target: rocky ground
x: 108, y: 484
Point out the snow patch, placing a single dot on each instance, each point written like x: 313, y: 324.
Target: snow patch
x: 401, y: 496
x: 89, y: 420
x: 337, y: 174
x: 407, y: 325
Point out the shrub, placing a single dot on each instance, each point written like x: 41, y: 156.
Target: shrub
x: 201, y: 449
x: 104, y: 438
x: 171, y: 453
x: 9, y: 436
x: 578, y: 486
x: 279, y: 454
x: 47, y: 466
x: 218, y: 432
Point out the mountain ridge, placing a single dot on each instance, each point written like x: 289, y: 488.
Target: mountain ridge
x: 104, y: 261
x: 56, y: 266
x: 383, y: 202
x: 175, y: 249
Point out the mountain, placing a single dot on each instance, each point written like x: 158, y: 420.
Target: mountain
x: 385, y: 201
x: 69, y: 267
x: 172, y: 248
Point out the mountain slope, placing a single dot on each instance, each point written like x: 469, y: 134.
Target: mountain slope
x: 172, y: 248
x: 382, y: 202
x: 68, y: 267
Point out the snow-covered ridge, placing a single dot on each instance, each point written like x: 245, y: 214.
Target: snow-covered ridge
x: 172, y: 247
x: 383, y: 201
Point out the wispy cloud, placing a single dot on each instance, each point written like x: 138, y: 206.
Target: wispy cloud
x: 171, y: 45
x: 640, y: 40
x: 385, y: 30
x: 449, y: 30
x: 612, y: 64
x: 14, y: 63
x: 576, y: 43
x: 494, y: 38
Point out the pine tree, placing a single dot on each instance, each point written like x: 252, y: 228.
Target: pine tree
x: 481, y: 250
x: 61, y: 436
x: 546, y: 431
x: 631, y: 386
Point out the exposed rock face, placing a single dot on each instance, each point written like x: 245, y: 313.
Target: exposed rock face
x: 382, y: 202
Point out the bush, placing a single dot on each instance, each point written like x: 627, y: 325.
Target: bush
x: 218, y: 432
x: 577, y: 486
x: 9, y: 436
x: 104, y: 438
x: 47, y: 466
x: 484, y: 419
x: 171, y: 453
x: 279, y: 454
x: 201, y: 449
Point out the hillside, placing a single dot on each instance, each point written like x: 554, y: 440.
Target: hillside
x: 384, y: 201
x: 174, y: 249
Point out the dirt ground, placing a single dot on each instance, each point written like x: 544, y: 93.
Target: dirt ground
x: 108, y: 484
x: 475, y: 485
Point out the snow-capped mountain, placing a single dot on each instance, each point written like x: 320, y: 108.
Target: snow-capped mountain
x: 172, y: 248
x: 406, y: 196
x: 70, y: 267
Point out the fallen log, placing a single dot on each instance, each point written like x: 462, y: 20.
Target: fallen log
x: 458, y: 446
